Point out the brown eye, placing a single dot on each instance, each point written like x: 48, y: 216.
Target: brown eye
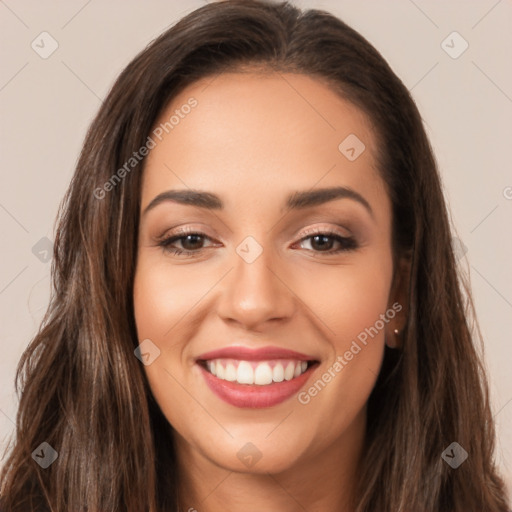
x: 323, y: 242
x: 191, y: 243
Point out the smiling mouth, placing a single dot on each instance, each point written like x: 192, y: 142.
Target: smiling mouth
x: 258, y: 373
x: 255, y: 378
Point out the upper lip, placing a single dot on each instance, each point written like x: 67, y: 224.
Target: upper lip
x: 254, y: 354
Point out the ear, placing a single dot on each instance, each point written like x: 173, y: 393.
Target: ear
x: 399, y: 302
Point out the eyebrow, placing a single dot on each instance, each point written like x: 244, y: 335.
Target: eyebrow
x: 297, y: 200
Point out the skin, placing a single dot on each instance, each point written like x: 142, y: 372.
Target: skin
x: 252, y: 139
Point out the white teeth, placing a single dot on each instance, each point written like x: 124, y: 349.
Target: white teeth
x: 278, y: 373
x: 245, y: 373
x: 230, y: 372
x: 263, y: 374
x: 220, y: 371
x: 289, y: 371
x: 260, y: 373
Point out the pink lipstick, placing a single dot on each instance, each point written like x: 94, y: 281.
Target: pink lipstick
x: 255, y: 378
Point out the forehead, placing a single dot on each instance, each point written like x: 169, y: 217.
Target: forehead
x: 262, y: 132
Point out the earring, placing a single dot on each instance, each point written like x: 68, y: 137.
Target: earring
x: 395, y: 345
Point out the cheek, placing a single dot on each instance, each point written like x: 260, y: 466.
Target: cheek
x: 349, y: 305
x: 164, y: 296
x: 355, y: 313
x: 164, y: 302
x: 351, y: 299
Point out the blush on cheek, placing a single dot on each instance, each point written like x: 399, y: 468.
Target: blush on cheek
x: 160, y: 301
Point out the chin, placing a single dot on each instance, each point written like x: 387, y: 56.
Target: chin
x: 256, y: 452
x: 249, y: 459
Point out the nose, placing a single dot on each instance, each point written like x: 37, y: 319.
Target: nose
x: 256, y: 293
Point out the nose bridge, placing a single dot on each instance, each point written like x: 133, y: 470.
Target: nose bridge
x: 254, y: 292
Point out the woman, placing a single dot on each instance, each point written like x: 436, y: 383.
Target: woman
x: 256, y: 304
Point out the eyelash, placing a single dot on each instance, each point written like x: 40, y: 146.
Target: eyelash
x: 347, y: 243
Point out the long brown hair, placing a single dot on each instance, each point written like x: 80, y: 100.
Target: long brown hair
x: 84, y: 393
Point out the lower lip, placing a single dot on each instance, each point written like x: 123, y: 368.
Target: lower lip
x: 252, y: 395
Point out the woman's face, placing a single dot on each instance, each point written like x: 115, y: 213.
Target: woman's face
x: 283, y: 290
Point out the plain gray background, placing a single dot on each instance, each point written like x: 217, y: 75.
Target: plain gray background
x: 465, y: 99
